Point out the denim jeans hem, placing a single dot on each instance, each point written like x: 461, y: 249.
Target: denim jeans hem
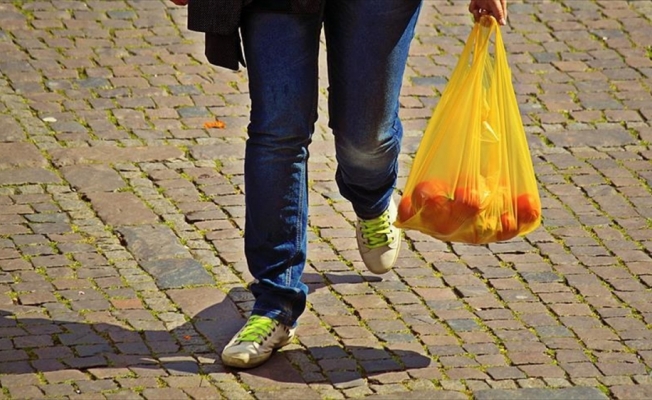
x: 283, y: 318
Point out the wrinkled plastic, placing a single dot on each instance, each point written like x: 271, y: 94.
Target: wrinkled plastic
x: 472, y: 180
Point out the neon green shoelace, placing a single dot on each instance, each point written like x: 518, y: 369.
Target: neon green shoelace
x: 376, y: 231
x: 256, y: 329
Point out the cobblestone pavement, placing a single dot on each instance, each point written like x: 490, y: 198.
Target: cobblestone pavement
x: 121, y: 259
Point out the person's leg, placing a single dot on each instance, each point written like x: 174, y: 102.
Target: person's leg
x: 281, y: 51
x: 367, y: 47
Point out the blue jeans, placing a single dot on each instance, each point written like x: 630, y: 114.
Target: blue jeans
x: 367, y: 45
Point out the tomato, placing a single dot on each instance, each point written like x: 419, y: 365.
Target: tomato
x: 432, y: 191
x: 508, y: 227
x: 432, y: 199
x: 466, y: 203
x: 405, y: 209
x: 528, y: 209
x: 441, y: 221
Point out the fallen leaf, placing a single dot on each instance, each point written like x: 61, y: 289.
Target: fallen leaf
x: 217, y: 124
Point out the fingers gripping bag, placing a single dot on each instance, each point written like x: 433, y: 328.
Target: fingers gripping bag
x: 472, y: 179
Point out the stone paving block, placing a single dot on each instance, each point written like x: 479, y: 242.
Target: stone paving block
x: 121, y: 209
x: 19, y: 176
x: 631, y: 391
x: 93, y: 178
x: 65, y: 375
x: 540, y: 393
x: 218, y: 152
x: 177, y: 272
x: 203, y: 392
x: 71, y: 156
x: 11, y: 132
x: 614, y: 137
x: 163, y: 393
x: 153, y: 242
x: 20, y: 154
x: 216, y: 317
x: 424, y: 395
x: 277, y: 374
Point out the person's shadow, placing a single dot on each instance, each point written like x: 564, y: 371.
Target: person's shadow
x: 32, y: 341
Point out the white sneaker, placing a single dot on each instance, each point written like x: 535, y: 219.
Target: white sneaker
x: 379, y: 240
x: 255, y: 342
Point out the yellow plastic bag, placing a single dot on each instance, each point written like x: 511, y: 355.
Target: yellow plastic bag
x: 472, y: 180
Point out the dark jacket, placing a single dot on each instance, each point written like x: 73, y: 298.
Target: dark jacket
x: 220, y: 20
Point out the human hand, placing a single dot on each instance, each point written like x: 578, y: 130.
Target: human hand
x: 180, y: 2
x: 495, y: 8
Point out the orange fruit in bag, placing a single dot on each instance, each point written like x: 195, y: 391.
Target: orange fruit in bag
x: 432, y: 199
x: 528, y: 209
x: 466, y: 203
x: 405, y: 209
x: 508, y: 227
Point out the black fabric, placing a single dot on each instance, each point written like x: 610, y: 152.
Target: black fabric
x: 215, y: 16
x: 224, y: 50
x: 305, y: 6
x: 223, y: 16
x: 220, y: 20
x: 272, y: 5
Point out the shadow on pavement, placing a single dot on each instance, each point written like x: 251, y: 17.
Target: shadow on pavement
x: 30, y: 341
